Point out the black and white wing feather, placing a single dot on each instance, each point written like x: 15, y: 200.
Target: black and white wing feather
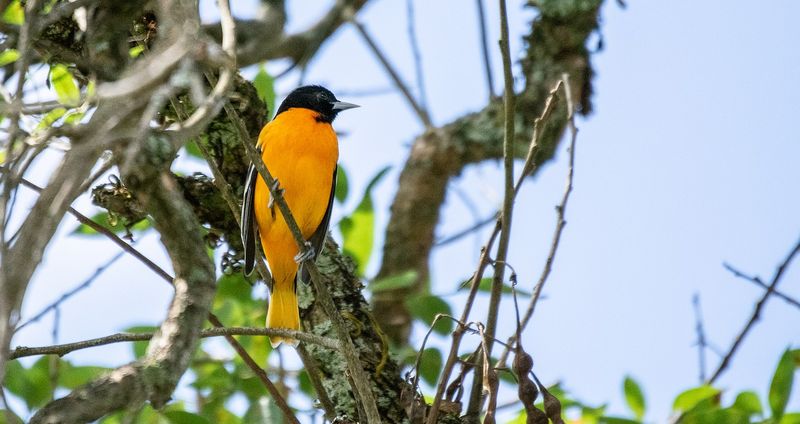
x: 248, y: 228
x: 317, y: 239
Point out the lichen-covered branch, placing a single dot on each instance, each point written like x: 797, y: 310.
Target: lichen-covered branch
x: 369, y: 340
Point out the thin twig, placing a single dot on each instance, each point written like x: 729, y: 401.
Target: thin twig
x: 315, y: 376
x: 561, y: 210
x: 422, y: 114
x: 458, y: 334
x: 701, y: 337
x: 83, y: 219
x: 63, y: 349
x: 85, y: 284
x: 476, y: 401
x: 756, y: 314
x: 757, y: 281
x: 489, y: 377
x: 415, y: 51
x: 487, y: 65
x: 467, y: 231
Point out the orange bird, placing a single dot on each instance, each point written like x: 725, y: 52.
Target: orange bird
x: 300, y: 149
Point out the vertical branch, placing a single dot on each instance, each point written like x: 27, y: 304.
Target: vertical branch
x: 701, y: 337
x: 487, y: 64
x: 412, y: 38
x: 505, y: 218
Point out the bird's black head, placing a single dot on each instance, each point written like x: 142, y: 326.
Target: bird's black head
x: 317, y: 98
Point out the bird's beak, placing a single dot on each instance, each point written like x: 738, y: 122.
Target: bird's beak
x: 340, y: 106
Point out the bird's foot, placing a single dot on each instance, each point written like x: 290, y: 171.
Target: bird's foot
x: 305, y: 255
x: 274, y: 188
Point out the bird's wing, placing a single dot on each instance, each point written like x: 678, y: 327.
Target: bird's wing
x: 317, y: 239
x: 248, y: 228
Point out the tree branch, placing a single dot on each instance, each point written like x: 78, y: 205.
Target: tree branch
x: 757, y: 281
x: 776, y: 279
x: 63, y: 349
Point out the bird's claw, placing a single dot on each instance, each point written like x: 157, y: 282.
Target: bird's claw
x: 274, y: 188
x: 305, y: 255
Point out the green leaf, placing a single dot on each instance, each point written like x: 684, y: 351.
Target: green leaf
x: 781, y: 385
x: 430, y: 365
x: 634, y: 397
x: 192, y: 149
x: 264, y: 410
x: 184, y: 417
x: 14, y: 13
x: 265, y: 87
x: 394, y: 282
x: 71, y: 376
x: 234, y: 286
x: 111, y: 223
x: 792, y: 418
x: 135, y: 51
x: 748, y: 402
x: 50, y: 118
x: 64, y: 84
x: 140, y: 347
x: 30, y: 384
x: 304, y: 383
x: 341, y: 185
x: 616, y: 420
x: 426, y: 307
x: 210, y: 375
x: 716, y: 416
x: 74, y: 117
x: 692, y: 397
x: 358, y: 229
x: 8, y: 56
x: 4, y: 414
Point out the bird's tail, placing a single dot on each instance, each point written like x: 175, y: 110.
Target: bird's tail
x: 283, y: 313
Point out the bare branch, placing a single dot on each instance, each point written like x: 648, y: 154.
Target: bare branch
x: 422, y: 114
x: 63, y: 349
x: 84, y: 285
x: 776, y: 279
x: 757, y: 281
x: 483, y: 359
x: 487, y: 64
x: 83, y: 219
x: 701, y: 338
x: 412, y: 39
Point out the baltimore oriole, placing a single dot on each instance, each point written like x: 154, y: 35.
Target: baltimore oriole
x: 300, y: 149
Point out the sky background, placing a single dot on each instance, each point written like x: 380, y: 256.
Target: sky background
x: 689, y: 160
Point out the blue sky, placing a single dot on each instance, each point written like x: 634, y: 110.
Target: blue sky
x: 689, y: 160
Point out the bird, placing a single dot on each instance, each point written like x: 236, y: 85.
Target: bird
x: 301, y: 150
